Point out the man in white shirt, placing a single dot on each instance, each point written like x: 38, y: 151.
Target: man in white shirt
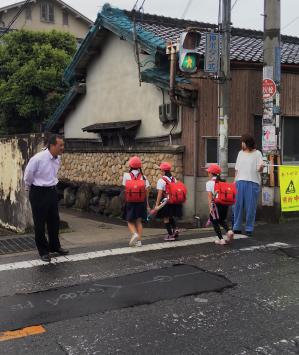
x: 40, y: 179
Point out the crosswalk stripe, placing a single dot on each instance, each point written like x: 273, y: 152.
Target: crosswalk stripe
x: 110, y: 252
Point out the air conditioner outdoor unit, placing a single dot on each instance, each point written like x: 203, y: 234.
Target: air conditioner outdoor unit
x: 162, y: 113
x: 171, y: 112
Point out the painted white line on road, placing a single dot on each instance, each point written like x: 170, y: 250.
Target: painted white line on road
x: 272, y: 245
x: 110, y: 252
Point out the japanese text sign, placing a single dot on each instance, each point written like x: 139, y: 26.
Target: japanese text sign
x: 289, y: 188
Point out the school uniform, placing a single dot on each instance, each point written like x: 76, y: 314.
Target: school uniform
x: 170, y: 209
x: 135, y: 210
x: 219, y: 215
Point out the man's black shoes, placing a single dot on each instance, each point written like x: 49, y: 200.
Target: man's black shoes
x: 46, y: 258
x: 60, y: 251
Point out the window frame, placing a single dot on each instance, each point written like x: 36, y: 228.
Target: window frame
x: 282, y: 125
x: 230, y: 165
x: 65, y: 16
x: 49, y: 10
x: 28, y: 12
x: 283, y: 118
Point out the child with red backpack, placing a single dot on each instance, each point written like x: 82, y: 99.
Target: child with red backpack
x: 136, y: 197
x: 175, y: 192
x: 221, y: 195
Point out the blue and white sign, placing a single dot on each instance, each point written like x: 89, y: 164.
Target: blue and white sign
x: 212, y: 53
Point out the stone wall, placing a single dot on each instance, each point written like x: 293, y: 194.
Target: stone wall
x: 107, y: 168
x: 92, y: 180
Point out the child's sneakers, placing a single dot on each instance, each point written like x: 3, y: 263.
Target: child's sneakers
x: 169, y: 238
x: 229, y: 236
x: 176, y: 234
x: 133, y: 240
x: 220, y: 241
x: 139, y: 243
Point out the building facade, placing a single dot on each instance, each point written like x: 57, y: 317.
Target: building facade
x: 45, y: 15
x: 105, y: 90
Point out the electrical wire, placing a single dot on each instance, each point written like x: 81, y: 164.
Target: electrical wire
x: 234, y: 4
x: 13, y: 20
x: 288, y: 24
x: 186, y: 9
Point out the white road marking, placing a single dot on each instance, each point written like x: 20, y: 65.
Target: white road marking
x: 109, y: 252
x: 272, y: 245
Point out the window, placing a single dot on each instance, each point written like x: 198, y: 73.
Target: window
x: 65, y: 18
x: 234, y: 147
x: 290, y: 146
x: 28, y: 14
x: 47, y: 12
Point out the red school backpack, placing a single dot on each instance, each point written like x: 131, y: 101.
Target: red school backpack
x: 135, y: 190
x: 176, y: 191
x: 225, y: 193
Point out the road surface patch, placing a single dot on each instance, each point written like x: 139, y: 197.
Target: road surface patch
x: 292, y: 252
x: 23, y: 310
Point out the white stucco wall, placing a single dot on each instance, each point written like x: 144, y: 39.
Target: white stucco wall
x: 113, y: 94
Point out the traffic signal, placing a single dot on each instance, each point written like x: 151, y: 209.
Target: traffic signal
x: 188, y: 55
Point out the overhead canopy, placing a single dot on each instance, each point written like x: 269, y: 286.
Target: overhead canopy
x: 122, y: 125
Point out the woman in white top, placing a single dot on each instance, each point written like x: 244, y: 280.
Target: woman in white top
x: 248, y: 168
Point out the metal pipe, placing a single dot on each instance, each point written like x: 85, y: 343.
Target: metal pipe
x: 195, y: 157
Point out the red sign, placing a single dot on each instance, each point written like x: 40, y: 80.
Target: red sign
x: 269, y: 88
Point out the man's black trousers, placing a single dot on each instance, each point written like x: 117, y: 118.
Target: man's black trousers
x: 44, y: 205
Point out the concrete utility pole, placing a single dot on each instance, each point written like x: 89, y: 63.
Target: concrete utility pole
x: 224, y: 109
x: 271, y: 138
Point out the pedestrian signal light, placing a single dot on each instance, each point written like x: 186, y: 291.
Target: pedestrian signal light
x: 188, y: 55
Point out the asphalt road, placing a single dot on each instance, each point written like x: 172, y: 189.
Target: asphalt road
x: 257, y: 313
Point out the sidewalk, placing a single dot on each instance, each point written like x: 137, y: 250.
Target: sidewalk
x: 84, y: 231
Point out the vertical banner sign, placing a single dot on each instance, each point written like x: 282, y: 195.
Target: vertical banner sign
x: 289, y: 188
x: 269, y: 139
x: 212, y: 53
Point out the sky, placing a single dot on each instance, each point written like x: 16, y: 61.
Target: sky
x: 245, y: 13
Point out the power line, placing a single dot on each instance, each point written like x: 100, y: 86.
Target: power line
x: 234, y: 4
x: 13, y: 20
x: 186, y: 9
x: 288, y: 24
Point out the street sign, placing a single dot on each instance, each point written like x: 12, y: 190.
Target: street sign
x: 289, y: 188
x: 212, y: 53
x: 269, y: 139
x: 269, y: 88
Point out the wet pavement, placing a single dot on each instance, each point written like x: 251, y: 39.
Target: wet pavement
x: 257, y: 314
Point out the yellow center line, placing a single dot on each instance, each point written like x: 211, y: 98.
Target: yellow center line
x: 21, y: 333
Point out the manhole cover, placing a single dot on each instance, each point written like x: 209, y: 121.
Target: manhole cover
x: 16, y: 245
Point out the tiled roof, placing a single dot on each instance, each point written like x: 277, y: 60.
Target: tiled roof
x: 246, y: 45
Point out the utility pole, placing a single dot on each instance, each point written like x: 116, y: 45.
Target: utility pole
x: 271, y: 138
x: 224, y: 109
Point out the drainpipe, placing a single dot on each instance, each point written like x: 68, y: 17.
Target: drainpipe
x: 173, y: 61
x: 195, y: 161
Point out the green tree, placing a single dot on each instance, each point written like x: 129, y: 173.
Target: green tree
x: 31, y: 69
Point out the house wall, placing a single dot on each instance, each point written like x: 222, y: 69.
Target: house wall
x: 15, y: 152
x: 113, y: 94
x: 246, y: 103
x: 76, y: 26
